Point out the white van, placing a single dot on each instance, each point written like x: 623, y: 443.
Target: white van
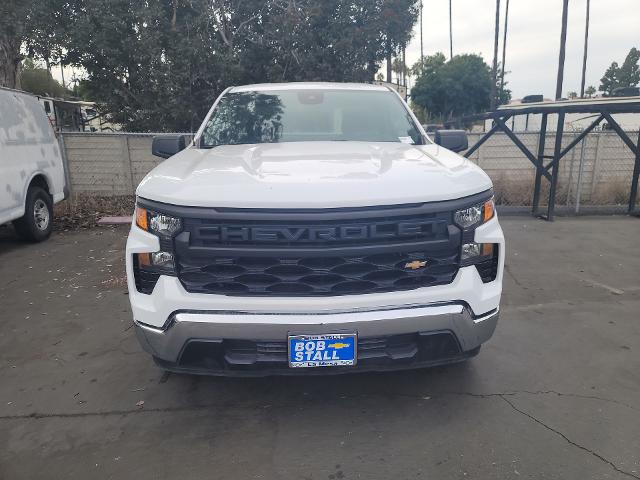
x: 32, y: 175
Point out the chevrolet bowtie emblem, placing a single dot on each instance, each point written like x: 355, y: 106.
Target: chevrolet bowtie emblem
x: 416, y: 264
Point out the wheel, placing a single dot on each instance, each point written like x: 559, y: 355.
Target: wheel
x: 37, y: 222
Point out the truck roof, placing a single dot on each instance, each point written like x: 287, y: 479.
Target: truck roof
x: 259, y: 87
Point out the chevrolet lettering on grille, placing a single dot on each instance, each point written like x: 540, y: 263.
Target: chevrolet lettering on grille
x: 278, y: 234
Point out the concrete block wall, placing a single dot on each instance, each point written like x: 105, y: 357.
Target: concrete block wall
x: 598, y: 171
x: 108, y: 164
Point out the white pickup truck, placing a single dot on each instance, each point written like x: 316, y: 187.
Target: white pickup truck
x: 31, y: 169
x: 313, y: 225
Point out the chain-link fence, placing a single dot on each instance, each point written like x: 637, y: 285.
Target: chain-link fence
x: 596, y: 172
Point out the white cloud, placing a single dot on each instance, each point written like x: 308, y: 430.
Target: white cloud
x: 533, y: 39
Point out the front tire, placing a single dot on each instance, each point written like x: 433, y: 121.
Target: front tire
x: 37, y: 222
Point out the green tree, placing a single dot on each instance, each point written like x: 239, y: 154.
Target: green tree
x: 12, y: 19
x: 38, y: 80
x: 610, y: 80
x: 40, y: 27
x: 427, y: 65
x: 572, y: 95
x: 503, y: 95
x: 399, y: 68
x: 590, y: 91
x: 629, y: 73
x: 395, y: 21
x: 159, y: 64
x: 458, y: 87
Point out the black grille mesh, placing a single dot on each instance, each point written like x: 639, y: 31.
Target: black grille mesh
x: 317, y: 275
x: 233, y: 256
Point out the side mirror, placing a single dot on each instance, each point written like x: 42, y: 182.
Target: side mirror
x: 166, y: 146
x: 454, y: 140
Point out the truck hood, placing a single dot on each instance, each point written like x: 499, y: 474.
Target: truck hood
x: 312, y: 175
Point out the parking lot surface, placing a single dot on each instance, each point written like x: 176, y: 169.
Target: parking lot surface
x: 554, y: 394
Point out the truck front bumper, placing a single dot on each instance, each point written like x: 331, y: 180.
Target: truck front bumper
x: 250, y: 343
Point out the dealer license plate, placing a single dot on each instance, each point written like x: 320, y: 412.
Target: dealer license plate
x: 322, y: 350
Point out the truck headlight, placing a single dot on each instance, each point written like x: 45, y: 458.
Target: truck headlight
x: 158, y: 223
x: 148, y: 266
x: 484, y: 256
x: 474, y: 215
x: 473, y: 251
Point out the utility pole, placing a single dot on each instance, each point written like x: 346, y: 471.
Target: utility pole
x: 563, y: 41
x: 388, y: 45
x: 404, y: 65
x: 584, y: 55
x: 494, y: 73
x: 421, y: 50
x: 504, y: 48
x: 450, y: 32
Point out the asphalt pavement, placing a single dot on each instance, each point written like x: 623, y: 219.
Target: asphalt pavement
x: 554, y: 394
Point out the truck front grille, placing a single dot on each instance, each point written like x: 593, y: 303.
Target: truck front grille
x: 321, y: 252
x: 310, y: 275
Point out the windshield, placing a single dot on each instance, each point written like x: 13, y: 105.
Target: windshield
x: 309, y: 115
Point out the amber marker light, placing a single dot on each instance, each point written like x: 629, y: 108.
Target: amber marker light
x: 488, y: 210
x: 142, y: 218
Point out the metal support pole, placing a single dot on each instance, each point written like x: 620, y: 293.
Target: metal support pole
x: 575, y: 141
x: 571, y: 163
x: 556, y: 167
x: 580, y: 172
x: 634, y: 180
x: 65, y: 163
x: 484, y: 138
x: 523, y: 148
x: 541, y: 141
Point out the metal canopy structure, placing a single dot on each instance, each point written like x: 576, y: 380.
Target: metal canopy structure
x: 604, y: 108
